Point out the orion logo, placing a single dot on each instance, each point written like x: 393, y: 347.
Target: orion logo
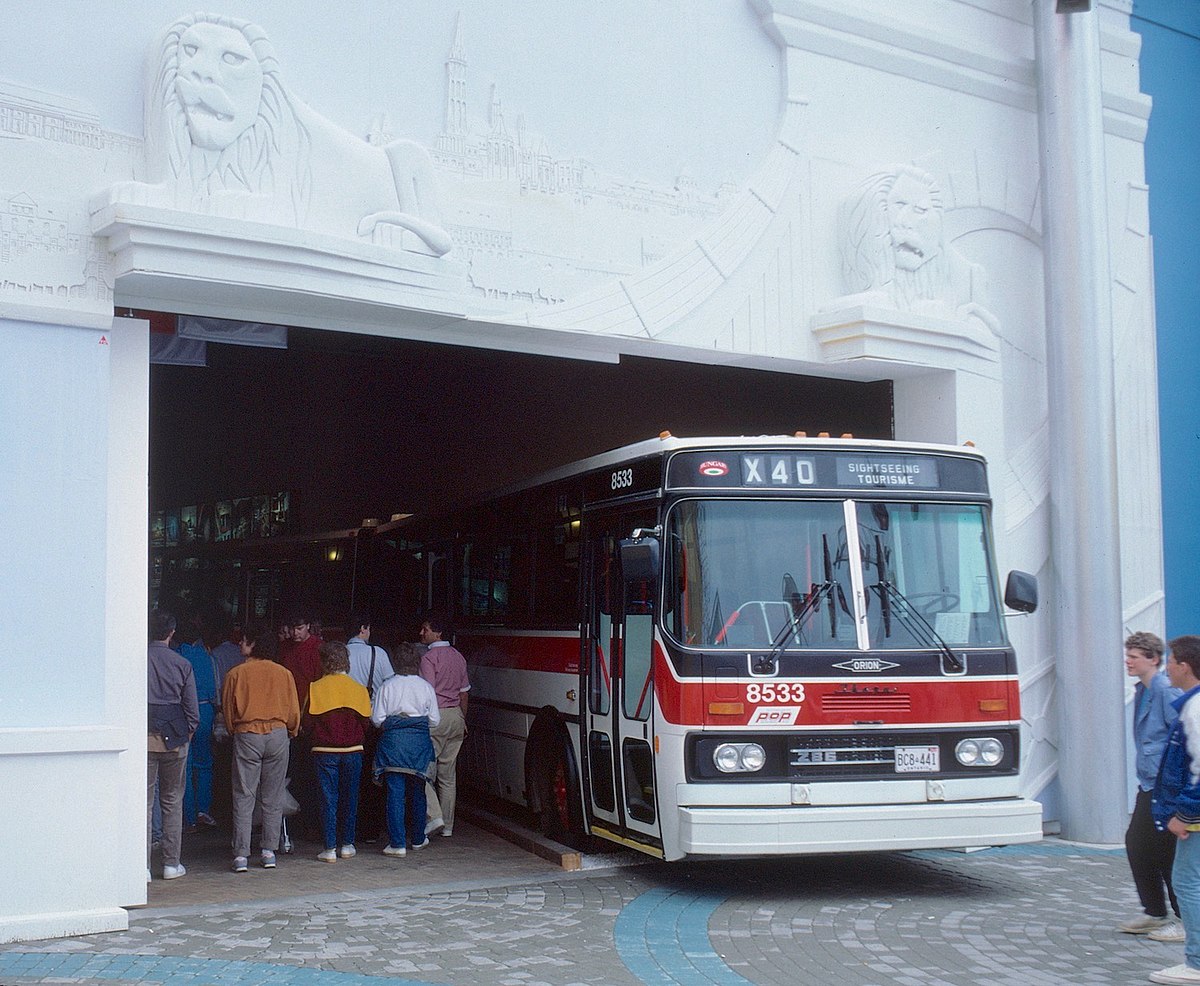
x: 866, y: 665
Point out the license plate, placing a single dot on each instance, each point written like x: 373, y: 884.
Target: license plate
x: 916, y: 759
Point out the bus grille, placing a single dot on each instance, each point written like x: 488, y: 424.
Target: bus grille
x: 870, y: 755
x: 865, y: 705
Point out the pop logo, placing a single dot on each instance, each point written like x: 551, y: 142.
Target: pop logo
x: 713, y: 467
x: 775, y: 715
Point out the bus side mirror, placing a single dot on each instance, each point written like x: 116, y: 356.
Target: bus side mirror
x: 639, y: 559
x: 1021, y: 592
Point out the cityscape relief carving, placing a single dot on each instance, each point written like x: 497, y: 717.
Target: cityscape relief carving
x: 225, y: 136
x: 48, y: 257
x: 895, y: 254
x: 537, y: 225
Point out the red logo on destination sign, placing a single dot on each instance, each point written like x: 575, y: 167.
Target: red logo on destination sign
x: 713, y: 468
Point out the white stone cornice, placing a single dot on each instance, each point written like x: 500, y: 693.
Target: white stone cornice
x: 890, y: 45
x: 866, y: 332
x: 1126, y: 116
x: 195, y: 259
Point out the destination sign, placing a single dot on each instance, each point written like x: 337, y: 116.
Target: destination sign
x: 821, y: 469
x: 875, y: 471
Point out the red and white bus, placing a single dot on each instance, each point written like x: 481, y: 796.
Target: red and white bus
x: 721, y: 646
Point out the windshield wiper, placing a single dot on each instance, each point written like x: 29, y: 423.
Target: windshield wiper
x: 914, y: 622
x: 811, y: 601
x: 816, y: 592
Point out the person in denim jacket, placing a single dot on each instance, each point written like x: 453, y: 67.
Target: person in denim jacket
x: 1151, y: 852
x: 405, y: 707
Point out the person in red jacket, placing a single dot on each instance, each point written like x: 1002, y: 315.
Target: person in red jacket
x: 336, y: 717
x: 303, y: 657
x: 303, y: 660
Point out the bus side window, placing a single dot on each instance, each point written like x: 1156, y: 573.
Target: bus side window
x: 440, y: 591
x: 601, y: 670
x: 639, y: 642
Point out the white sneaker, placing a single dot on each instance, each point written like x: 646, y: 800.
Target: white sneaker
x: 1172, y: 931
x: 433, y: 825
x: 327, y: 855
x: 447, y: 832
x: 393, y: 850
x: 349, y: 852
x: 421, y: 845
x: 1142, y: 924
x: 174, y: 872
x: 1180, y: 975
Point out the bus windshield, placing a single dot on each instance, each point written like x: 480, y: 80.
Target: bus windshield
x: 753, y: 573
x: 927, y: 567
x: 762, y: 574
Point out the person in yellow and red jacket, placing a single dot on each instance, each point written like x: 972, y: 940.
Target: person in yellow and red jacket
x: 337, y: 715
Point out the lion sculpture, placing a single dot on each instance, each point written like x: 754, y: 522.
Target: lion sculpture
x: 894, y: 251
x: 225, y: 136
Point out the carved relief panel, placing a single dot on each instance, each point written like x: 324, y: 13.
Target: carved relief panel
x: 226, y: 136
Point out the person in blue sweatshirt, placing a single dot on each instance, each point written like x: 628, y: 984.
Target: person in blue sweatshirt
x: 1176, y: 803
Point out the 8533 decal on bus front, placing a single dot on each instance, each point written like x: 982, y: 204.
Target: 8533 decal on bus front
x: 783, y: 692
x: 778, y: 702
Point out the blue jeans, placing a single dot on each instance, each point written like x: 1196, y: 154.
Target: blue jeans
x: 405, y: 809
x: 1185, y: 877
x: 197, y: 793
x: 338, y: 776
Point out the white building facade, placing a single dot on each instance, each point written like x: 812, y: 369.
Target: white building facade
x: 828, y: 187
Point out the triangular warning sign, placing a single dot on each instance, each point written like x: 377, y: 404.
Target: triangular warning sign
x: 104, y: 340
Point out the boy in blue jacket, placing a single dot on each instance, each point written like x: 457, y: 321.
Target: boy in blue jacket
x: 1151, y: 852
x: 1176, y: 803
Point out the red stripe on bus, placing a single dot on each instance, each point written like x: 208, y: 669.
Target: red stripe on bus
x: 523, y: 653
x: 838, y: 703
x: 829, y: 702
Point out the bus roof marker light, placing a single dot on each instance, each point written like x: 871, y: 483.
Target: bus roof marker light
x: 968, y: 444
x: 822, y: 434
x: 801, y: 434
x: 664, y: 435
x: 847, y: 434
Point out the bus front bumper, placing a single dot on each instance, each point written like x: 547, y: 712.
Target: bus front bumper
x: 813, y: 829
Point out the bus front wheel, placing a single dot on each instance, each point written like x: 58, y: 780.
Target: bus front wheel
x: 559, y: 812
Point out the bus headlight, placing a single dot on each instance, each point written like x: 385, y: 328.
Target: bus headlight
x: 732, y: 758
x: 985, y: 751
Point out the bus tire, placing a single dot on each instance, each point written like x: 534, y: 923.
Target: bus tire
x: 555, y: 782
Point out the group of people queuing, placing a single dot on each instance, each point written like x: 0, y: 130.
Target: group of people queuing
x: 298, y: 718
x: 1163, y: 838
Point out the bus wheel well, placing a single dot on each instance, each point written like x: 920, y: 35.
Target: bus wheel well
x: 552, y: 776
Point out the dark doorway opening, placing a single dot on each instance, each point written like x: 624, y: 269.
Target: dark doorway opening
x: 360, y: 426
x: 349, y: 428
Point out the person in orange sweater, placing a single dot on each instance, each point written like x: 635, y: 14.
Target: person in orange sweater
x: 339, y: 709
x: 259, y: 703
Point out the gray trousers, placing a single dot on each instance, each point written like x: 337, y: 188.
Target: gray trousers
x: 260, y: 763
x: 169, y: 769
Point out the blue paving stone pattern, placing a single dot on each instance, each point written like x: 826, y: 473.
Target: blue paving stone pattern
x: 1020, y: 916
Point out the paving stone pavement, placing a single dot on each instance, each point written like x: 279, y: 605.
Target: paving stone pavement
x: 1019, y: 916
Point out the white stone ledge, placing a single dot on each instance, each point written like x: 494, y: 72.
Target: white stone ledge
x: 891, y: 45
x: 37, y: 740
x: 194, y: 259
x: 61, y: 924
x: 865, y: 332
